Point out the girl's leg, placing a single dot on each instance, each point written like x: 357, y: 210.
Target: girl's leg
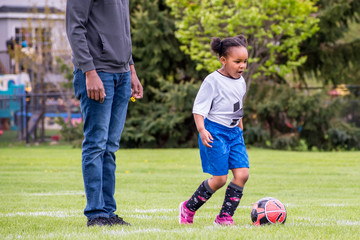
x: 200, y: 196
x: 233, y: 195
x: 241, y: 175
x: 205, y: 191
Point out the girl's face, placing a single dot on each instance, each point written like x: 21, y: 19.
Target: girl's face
x: 234, y: 64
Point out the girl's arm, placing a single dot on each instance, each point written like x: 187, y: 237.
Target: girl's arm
x: 205, y: 136
x: 240, y: 125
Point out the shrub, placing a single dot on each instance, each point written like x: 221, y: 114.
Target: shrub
x: 71, y: 133
x: 256, y: 136
x: 286, y: 142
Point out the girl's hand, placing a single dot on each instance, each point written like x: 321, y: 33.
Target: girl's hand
x: 206, y: 138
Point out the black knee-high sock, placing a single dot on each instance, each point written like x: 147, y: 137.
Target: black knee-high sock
x: 233, y: 195
x: 200, y: 196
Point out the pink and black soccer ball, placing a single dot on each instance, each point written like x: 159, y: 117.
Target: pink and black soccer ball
x: 268, y: 211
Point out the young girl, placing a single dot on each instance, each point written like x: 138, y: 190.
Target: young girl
x: 218, y: 112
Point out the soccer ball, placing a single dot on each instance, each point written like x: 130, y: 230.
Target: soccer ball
x: 267, y: 211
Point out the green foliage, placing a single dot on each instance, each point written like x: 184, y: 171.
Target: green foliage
x: 71, y: 133
x: 286, y: 142
x: 274, y: 30
x: 156, y: 51
x: 344, y: 136
x: 291, y: 115
x: 166, y: 121
x: 333, y: 55
x: 163, y: 117
x: 255, y: 136
x: 343, y: 140
x: 153, y: 41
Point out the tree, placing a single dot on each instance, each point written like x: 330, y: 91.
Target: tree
x: 274, y: 29
x: 155, y: 47
x: 163, y: 117
x: 332, y: 55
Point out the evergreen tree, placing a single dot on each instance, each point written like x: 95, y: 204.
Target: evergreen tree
x: 332, y: 56
x: 163, y: 118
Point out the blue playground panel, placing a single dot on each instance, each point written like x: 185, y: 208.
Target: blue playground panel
x: 11, y: 101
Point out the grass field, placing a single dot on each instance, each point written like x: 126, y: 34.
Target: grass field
x: 42, y: 195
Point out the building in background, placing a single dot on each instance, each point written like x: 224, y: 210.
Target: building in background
x: 32, y: 40
x: 31, y: 27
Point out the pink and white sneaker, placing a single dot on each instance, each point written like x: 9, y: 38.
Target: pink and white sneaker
x: 185, y: 215
x: 224, y: 221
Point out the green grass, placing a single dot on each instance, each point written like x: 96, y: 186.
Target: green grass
x: 11, y: 138
x: 8, y: 137
x: 42, y: 195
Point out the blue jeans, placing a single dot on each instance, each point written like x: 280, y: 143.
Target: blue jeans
x: 103, y: 125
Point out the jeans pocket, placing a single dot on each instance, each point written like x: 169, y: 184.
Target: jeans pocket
x: 76, y: 83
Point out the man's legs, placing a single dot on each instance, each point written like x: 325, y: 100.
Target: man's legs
x: 120, y: 102
x: 96, y: 125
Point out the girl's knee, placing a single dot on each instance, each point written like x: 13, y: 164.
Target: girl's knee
x: 217, y: 182
x: 222, y: 182
x: 240, y: 176
x: 245, y: 177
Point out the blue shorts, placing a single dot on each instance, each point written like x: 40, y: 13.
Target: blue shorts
x: 228, y: 150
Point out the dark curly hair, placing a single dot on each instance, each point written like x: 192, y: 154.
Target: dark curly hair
x: 221, y: 47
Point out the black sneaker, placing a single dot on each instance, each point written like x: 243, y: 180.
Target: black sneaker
x: 99, y: 221
x: 116, y: 220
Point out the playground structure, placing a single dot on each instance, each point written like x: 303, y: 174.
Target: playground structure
x: 23, y: 111
x: 12, y: 99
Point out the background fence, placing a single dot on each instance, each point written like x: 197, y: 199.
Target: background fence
x: 32, y: 117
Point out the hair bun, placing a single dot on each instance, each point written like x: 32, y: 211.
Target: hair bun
x: 215, y: 44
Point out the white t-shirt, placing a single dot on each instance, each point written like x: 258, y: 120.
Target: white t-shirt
x: 220, y: 99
